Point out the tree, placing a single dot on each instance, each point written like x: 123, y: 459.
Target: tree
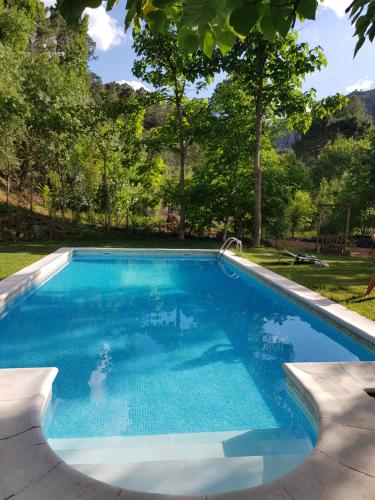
x: 351, y: 120
x: 272, y: 74
x: 56, y: 92
x: 282, y: 177
x: 221, y: 191
x: 12, y: 110
x: 217, y: 192
x: 33, y: 9
x: 300, y: 211
x: 16, y: 29
x: 83, y: 178
x: 347, y: 170
x: 337, y: 158
x: 161, y: 64
x: 125, y: 174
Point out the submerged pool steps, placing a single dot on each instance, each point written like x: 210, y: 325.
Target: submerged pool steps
x: 208, y: 462
x: 186, y: 477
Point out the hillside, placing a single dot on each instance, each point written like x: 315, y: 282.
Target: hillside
x: 368, y: 99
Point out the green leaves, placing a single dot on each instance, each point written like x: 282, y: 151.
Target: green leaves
x: 225, y: 41
x: 362, y: 15
x: 93, y: 4
x: 208, y: 23
x: 110, y: 4
x: 188, y: 40
x: 157, y: 21
x: 208, y: 43
x: 198, y: 12
x: 209, y: 19
x: 307, y: 8
x: 267, y: 27
x: 72, y: 10
x: 244, y: 18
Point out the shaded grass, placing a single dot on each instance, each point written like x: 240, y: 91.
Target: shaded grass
x: 344, y: 281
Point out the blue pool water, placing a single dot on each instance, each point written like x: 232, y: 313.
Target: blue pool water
x: 158, y: 345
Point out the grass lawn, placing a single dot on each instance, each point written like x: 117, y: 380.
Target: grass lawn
x: 15, y: 256
x: 344, y: 281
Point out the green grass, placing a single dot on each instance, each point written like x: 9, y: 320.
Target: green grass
x: 15, y: 256
x: 344, y: 281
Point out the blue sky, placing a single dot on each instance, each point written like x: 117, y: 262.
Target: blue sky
x: 332, y: 31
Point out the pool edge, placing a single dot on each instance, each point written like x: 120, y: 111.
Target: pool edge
x: 32, y: 275
x: 44, y: 268
x: 339, y: 467
x: 343, y: 411
x: 353, y: 322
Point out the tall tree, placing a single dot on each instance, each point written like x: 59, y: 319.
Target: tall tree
x: 161, y: 64
x: 17, y: 27
x: 226, y: 134
x: 272, y: 74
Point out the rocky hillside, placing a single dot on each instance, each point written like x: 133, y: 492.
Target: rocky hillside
x: 368, y: 99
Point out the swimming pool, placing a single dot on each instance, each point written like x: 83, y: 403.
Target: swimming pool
x: 171, y: 357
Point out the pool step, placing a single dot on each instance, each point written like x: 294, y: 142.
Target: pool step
x: 186, y: 463
x: 124, y: 449
x: 185, y: 477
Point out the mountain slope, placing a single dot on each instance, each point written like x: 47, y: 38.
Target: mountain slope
x: 368, y: 99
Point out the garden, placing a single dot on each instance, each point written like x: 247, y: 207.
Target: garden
x: 138, y: 356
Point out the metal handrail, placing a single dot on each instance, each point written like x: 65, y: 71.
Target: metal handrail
x: 227, y: 244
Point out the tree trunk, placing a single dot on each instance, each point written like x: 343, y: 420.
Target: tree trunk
x: 127, y: 219
x: 63, y: 201
x: 62, y: 182
x: 8, y: 189
x: 8, y: 166
x: 261, y: 53
x: 31, y: 192
x: 182, y: 166
x: 225, y: 232
x: 107, y: 197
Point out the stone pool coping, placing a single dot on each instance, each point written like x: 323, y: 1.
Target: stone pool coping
x: 39, y: 271
x: 352, y: 322
x: 45, y: 267
x: 341, y: 466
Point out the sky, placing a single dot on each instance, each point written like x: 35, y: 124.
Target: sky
x: 331, y: 30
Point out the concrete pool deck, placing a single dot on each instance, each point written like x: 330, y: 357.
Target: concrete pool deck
x: 341, y: 466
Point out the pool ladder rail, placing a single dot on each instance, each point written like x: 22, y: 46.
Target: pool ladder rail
x: 227, y: 243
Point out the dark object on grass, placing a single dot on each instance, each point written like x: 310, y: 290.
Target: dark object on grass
x: 304, y: 259
x: 365, y: 242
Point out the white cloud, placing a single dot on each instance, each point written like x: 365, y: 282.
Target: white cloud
x: 338, y: 6
x: 364, y: 84
x: 103, y: 29
x: 134, y: 84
